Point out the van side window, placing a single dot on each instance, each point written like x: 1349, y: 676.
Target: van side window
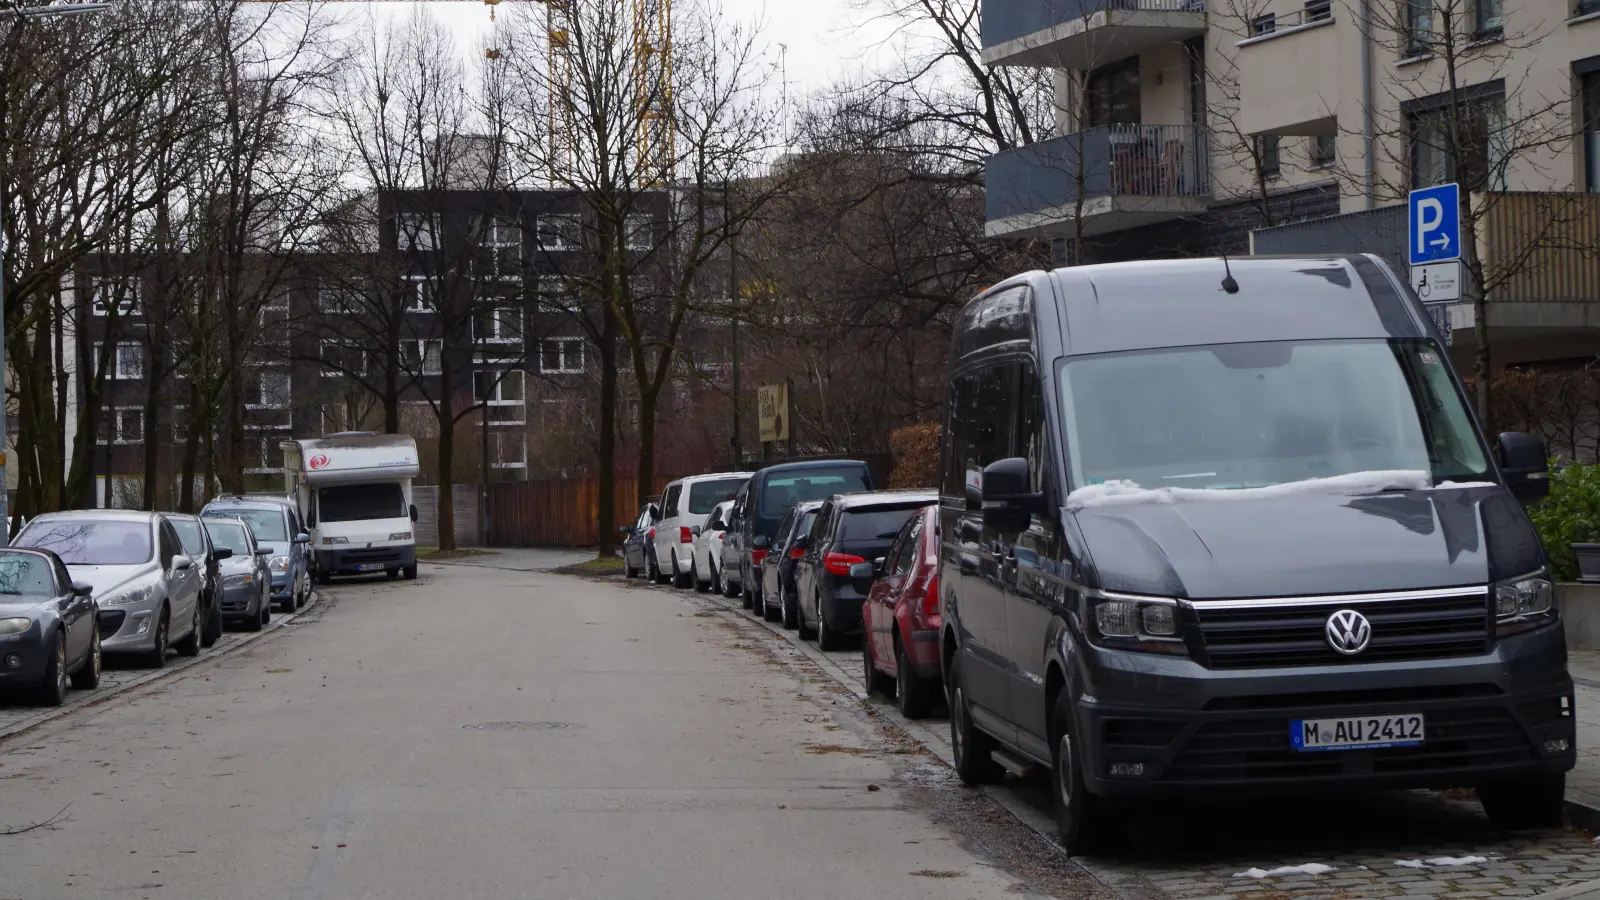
x: 983, y: 424
x: 1032, y: 444
x: 952, y: 443
x: 669, y: 504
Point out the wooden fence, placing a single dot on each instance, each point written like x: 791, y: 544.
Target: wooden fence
x: 561, y: 512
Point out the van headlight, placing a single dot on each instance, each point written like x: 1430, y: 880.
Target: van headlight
x: 1522, y: 604
x: 1132, y: 622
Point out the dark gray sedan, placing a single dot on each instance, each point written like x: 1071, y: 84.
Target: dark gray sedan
x: 48, y: 629
x: 246, y: 580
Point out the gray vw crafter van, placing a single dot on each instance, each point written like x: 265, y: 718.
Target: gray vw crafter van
x: 1230, y: 527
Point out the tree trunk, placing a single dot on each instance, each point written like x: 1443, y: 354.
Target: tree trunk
x: 608, y: 439
x: 1483, y: 362
x: 191, y: 447
x: 447, y: 459
x: 232, y: 461
x: 647, y: 443
x: 152, y: 434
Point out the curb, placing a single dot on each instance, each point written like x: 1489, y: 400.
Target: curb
x: 167, y: 671
x: 1583, y: 890
x: 1583, y: 814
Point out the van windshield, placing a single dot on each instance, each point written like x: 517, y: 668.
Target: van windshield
x: 354, y: 502
x: 1258, y: 414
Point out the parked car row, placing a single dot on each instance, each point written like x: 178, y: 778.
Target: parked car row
x: 811, y: 545
x: 76, y: 586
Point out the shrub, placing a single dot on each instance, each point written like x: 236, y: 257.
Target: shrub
x: 1571, y: 514
x: 915, y: 449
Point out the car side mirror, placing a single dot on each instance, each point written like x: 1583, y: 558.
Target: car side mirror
x: 877, y: 566
x: 222, y: 553
x: 802, y: 542
x: 1525, y: 463
x: 263, y: 551
x: 79, y: 589
x: 626, y: 529
x: 1008, y: 500
x: 181, y: 563
x: 863, y: 570
x: 413, y: 512
x: 761, y: 542
x: 695, y: 531
x: 302, y: 538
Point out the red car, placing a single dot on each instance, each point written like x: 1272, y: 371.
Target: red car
x: 900, y: 653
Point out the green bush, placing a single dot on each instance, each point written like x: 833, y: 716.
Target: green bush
x: 1570, y: 515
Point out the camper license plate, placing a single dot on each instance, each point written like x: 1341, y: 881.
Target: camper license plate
x: 1359, y: 733
x: 369, y: 567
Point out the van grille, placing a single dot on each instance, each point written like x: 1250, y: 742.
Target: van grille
x: 1433, y: 626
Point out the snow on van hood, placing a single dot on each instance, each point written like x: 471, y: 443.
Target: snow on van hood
x: 1118, y: 492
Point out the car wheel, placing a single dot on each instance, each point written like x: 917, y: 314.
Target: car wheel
x: 791, y: 613
x: 801, y: 625
x: 253, y: 621
x: 300, y: 595
x: 1535, y: 802
x: 970, y: 747
x: 914, y: 695
x: 53, y: 689
x: 827, y: 638
x: 410, y: 572
x: 213, y: 626
x: 701, y: 585
x: 87, y: 678
x: 716, y: 579
x: 747, y: 596
x: 628, y: 571
x: 679, y: 580
x: 652, y: 569
x: 190, y: 645
x: 728, y: 588
x: 1083, y: 820
x: 157, y: 657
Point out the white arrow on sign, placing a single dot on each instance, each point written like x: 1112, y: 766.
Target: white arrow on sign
x: 1442, y: 242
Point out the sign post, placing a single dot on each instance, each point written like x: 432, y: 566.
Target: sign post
x: 1433, y: 243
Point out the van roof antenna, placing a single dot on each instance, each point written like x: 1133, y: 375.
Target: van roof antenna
x: 1228, y: 284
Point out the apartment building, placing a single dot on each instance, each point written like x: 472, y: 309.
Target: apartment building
x: 1186, y: 124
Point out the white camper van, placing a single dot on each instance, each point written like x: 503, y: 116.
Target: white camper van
x: 354, y: 493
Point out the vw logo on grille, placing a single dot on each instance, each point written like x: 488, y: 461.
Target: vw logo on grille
x: 1348, y: 632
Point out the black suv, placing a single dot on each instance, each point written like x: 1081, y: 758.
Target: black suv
x: 1229, y: 527
x: 848, y: 540
x: 764, y: 500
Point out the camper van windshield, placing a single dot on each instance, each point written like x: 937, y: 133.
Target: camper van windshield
x: 353, y: 502
x: 1257, y: 414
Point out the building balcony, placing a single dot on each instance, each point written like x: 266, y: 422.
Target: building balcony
x: 1082, y: 34
x: 1114, y: 177
x: 1288, y: 70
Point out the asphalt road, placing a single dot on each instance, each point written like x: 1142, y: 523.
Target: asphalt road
x: 501, y: 733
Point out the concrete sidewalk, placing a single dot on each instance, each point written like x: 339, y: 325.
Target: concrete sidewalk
x: 1583, y: 784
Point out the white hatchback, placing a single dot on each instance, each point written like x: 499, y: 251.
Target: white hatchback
x: 686, y: 506
x: 708, y: 549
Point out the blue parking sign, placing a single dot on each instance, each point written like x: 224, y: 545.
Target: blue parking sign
x: 1435, y: 224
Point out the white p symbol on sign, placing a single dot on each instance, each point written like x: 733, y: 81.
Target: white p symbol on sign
x: 1430, y: 215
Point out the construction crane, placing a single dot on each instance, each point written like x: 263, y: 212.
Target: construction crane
x: 655, y: 136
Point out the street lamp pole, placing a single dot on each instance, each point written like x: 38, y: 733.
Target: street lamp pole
x: 18, y: 15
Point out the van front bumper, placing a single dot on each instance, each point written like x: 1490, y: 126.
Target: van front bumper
x: 359, y: 560
x: 1159, y: 726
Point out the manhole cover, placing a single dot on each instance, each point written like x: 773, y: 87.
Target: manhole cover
x: 518, y: 726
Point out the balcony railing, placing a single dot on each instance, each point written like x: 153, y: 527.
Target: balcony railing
x: 1008, y: 20
x: 1044, y: 179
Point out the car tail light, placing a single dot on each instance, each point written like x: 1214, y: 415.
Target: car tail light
x: 756, y: 556
x: 840, y: 563
x: 796, y: 552
x: 684, y: 536
x: 651, y: 534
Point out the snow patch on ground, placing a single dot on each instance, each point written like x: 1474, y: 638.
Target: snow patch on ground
x: 1442, y: 861
x: 1305, y: 869
x: 1119, y: 492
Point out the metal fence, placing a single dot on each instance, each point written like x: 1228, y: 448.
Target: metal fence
x: 1007, y: 20
x: 1381, y: 231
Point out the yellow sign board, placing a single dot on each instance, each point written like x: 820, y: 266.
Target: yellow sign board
x: 772, y: 409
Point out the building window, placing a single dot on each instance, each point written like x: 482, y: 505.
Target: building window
x: 106, y: 294
x: 423, y: 357
x: 1488, y: 18
x: 338, y: 301
x: 1480, y: 139
x: 269, y: 391
x: 500, y: 325
x: 1111, y: 95
x: 641, y: 233
x: 275, y: 316
x: 559, y: 231
x: 1419, y: 27
x: 1319, y: 10
x: 180, y: 424
x: 340, y: 359
x: 123, y: 425
x: 501, y: 244
x: 127, y: 361
x: 262, y: 455
x: 508, y: 448
x: 561, y: 356
x: 422, y: 296
x: 1590, y: 94
x: 1324, y: 150
x: 415, y: 231
x: 1266, y: 23
x: 1267, y: 155
x: 501, y: 391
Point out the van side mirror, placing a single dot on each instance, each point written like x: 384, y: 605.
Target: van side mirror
x: 1525, y: 463
x: 222, y: 553
x: 413, y: 512
x: 1008, y: 500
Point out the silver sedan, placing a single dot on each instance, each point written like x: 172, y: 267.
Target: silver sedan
x: 147, y: 589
